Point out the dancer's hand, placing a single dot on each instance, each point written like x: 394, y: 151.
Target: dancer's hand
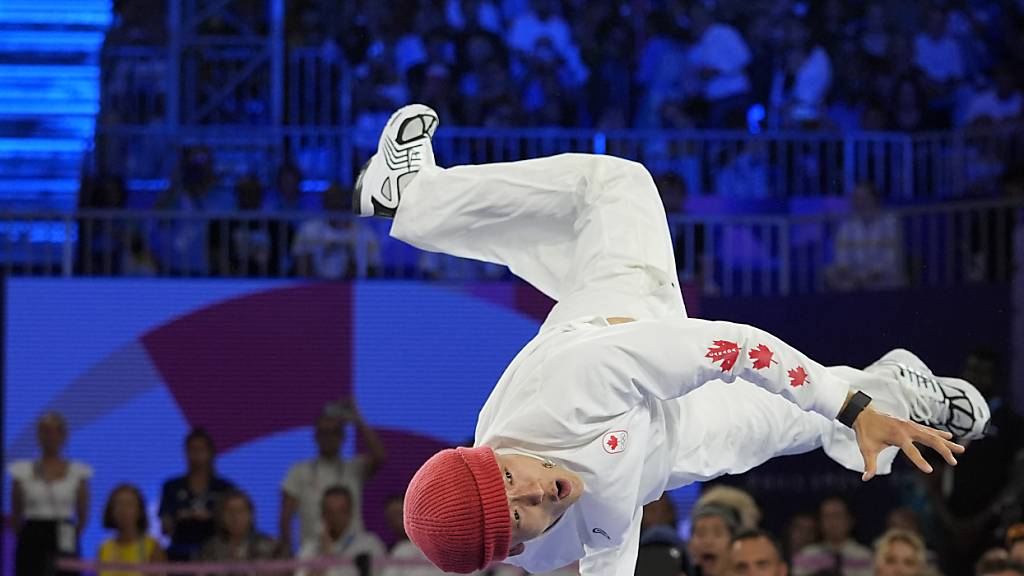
x: 877, y: 431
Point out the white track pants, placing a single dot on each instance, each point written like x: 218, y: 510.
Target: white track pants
x: 590, y: 232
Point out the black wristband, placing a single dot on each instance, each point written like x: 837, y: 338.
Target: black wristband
x: 853, y: 408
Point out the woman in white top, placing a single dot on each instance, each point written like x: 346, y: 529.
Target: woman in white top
x: 49, y: 501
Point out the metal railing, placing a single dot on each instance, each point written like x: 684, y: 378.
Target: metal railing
x: 729, y: 255
x: 320, y: 134
x: 729, y: 165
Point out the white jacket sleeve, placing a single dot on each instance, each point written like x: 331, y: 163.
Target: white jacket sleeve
x: 669, y: 357
x: 618, y: 561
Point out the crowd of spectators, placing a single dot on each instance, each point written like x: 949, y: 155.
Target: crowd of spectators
x: 961, y: 520
x: 905, y: 65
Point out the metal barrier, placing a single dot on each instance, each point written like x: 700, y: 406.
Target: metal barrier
x: 729, y: 255
x: 724, y: 164
x: 320, y: 135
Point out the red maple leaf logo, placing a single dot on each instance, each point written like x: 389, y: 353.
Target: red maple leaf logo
x: 613, y: 442
x: 762, y: 357
x: 797, y: 376
x: 724, y: 351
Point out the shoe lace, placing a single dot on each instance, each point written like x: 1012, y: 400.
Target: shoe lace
x: 927, y: 403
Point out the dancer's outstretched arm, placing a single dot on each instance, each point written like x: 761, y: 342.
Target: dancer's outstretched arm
x: 667, y: 358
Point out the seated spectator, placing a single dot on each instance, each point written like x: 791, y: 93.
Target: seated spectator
x: 662, y: 551
x: 801, y: 532
x: 739, y: 500
x: 1000, y: 103
x: 936, y: 51
x: 899, y: 553
x: 754, y: 552
x: 1015, y: 542
x: 911, y: 113
x: 1000, y: 568
x: 303, y: 488
x: 989, y: 556
x: 713, y: 528
x: 838, y: 551
x: 868, y: 253
x: 182, y: 244
x: 250, y: 243
x: 187, y: 503
x: 659, y: 523
x: 329, y: 247
x: 49, y: 501
x: 339, y: 539
x: 806, y: 78
x: 543, y: 26
x: 720, y: 57
x: 125, y: 514
x: 237, y: 537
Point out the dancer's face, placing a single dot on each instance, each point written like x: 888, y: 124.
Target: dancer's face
x: 537, y: 496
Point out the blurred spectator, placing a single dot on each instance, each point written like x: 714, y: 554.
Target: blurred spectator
x: 326, y: 247
x: 868, y: 253
x: 286, y: 196
x: 801, y: 86
x: 903, y: 519
x: 989, y: 556
x: 801, y: 532
x: 187, y: 503
x: 340, y: 539
x: 838, y: 551
x: 899, y: 553
x: 714, y: 525
x: 125, y: 514
x: 542, y: 33
x: 911, y: 113
x: 1000, y: 568
x: 745, y: 175
x: 663, y: 70
x: 936, y: 52
x: 980, y: 497
x: 736, y: 499
x: 250, y: 245
x: 49, y: 501
x: 1015, y: 542
x: 1000, y: 103
x: 306, y: 482
x: 237, y: 538
x: 473, y: 15
x: 939, y: 57
x: 875, y: 32
x: 720, y: 56
x: 182, y: 244
x: 659, y: 523
x: 754, y: 552
x: 661, y: 551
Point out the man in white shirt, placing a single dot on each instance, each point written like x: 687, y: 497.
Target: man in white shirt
x: 620, y: 396
x: 340, y: 538
x: 306, y: 482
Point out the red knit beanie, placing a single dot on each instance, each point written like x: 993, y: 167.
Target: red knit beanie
x: 456, y: 510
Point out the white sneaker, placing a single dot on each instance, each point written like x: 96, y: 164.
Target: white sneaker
x: 948, y: 404
x: 403, y: 149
